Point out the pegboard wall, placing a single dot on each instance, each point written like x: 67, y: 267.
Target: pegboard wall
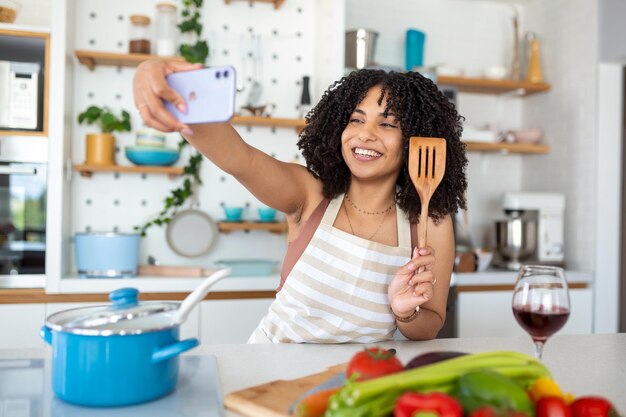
x: 284, y: 42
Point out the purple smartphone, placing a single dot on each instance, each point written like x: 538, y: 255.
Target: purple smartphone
x: 209, y: 93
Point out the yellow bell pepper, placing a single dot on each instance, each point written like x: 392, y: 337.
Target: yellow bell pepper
x: 547, y: 387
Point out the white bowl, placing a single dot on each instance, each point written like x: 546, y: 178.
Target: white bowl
x: 495, y: 72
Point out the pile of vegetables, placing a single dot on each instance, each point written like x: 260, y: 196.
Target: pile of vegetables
x: 449, y: 384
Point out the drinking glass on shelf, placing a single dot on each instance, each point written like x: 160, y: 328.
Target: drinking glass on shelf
x: 541, y: 302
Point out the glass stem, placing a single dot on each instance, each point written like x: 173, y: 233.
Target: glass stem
x: 538, y: 349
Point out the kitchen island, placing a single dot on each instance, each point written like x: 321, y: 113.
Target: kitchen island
x: 581, y: 364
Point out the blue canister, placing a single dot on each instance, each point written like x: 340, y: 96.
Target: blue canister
x: 113, y: 355
x: 107, y: 254
x: 414, y: 49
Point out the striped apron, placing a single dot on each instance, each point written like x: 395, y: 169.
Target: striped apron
x: 337, y: 290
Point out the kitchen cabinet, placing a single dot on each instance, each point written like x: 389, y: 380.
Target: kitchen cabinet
x: 231, y: 321
x: 488, y: 313
x: 20, y: 324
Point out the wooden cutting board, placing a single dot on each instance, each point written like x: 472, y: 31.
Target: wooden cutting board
x: 174, y: 271
x: 274, y: 398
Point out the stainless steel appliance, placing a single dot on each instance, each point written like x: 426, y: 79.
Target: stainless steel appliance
x: 532, y: 233
x: 360, y: 48
x: 23, y: 194
x: 19, y: 95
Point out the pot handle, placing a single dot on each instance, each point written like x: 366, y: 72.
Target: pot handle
x: 46, y: 334
x: 174, y: 349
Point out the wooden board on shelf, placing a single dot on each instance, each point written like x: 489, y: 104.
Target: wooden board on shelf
x: 273, y: 227
x: 485, y: 86
x: 88, y: 170
x: 92, y: 58
x: 507, y: 147
x: 274, y: 398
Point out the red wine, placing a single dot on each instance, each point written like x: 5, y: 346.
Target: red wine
x: 541, y: 324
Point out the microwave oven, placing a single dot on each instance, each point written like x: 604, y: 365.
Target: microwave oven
x: 19, y: 95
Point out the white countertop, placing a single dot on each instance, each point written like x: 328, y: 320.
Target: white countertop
x: 581, y: 364
x: 74, y: 284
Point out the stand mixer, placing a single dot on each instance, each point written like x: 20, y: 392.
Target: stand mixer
x: 532, y: 232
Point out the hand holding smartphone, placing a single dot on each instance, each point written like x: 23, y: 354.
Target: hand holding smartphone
x: 208, y: 92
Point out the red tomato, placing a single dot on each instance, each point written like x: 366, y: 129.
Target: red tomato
x: 553, y: 407
x: 374, y: 362
x: 592, y: 407
x: 485, y: 411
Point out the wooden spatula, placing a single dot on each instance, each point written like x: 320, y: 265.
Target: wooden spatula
x: 427, y: 164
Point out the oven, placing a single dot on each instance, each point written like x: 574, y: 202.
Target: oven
x: 23, y: 194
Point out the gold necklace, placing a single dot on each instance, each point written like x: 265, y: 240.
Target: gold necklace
x: 375, y: 231
x: 370, y: 213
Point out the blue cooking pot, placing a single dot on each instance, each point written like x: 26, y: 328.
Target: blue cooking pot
x: 113, y: 355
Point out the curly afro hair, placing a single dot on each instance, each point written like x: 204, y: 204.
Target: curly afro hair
x: 421, y: 109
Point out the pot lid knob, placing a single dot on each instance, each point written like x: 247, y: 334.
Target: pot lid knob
x: 124, y: 298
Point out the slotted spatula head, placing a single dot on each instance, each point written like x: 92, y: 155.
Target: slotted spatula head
x: 427, y: 164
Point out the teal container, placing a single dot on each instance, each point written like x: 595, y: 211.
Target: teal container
x: 414, y: 49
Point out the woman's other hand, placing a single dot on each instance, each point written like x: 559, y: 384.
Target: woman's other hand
x: 150, y: 89
x: 409, y: 288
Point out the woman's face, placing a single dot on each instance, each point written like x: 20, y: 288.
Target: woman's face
x: 371, y: 143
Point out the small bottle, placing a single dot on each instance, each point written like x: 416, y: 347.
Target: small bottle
x: 534, y: 74
x: 166, y: 29
x: 305, y: 98
x: 139, y: 39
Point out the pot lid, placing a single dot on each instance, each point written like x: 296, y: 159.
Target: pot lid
x: 125, y: 315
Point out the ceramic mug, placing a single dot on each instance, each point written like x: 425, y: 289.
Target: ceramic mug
x: 233, y: 214
x: 267, y: 214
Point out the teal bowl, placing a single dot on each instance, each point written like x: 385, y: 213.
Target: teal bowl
x: 267, y: 214
x: 233, y: 214
x: 146, y: 155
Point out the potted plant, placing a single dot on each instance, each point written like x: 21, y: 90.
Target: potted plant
x: 100, y: 149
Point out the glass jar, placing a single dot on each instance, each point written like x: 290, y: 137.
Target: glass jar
x: 166, y: 29
x: 139, y: 39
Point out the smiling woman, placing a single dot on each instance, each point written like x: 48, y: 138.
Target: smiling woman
x: 352, y: 272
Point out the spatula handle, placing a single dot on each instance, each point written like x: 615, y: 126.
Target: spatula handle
x: 422, y: 229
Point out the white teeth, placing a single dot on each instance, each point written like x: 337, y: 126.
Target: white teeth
x: 366, y: 152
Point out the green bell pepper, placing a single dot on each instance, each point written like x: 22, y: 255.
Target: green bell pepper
x: 487, y: 388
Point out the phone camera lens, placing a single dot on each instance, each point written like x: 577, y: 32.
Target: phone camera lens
x: 225, y: 74
x: 218, y: 75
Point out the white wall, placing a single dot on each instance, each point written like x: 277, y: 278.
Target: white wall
x: 34, y: 13
x: 568, y: 114
x: 104, y: 202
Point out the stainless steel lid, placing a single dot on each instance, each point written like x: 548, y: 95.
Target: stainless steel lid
x: 124, y: 316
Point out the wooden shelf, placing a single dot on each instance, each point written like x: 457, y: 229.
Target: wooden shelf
x: 92, y: 58
x: 506, y: 147
x: 22, y: 133
x: 298, y: 124
x: 276, y: 3
x: 88, y: 170
x: 484, y: 86
x: 272, y: 227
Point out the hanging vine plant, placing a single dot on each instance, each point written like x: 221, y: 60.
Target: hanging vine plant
x: 196, y: 52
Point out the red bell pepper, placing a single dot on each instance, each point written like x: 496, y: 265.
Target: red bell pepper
x: 434, y: 404
x: 592, y: 407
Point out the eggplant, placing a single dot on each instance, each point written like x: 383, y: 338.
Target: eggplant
x: 429, y: 358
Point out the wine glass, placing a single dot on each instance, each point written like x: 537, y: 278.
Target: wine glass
x: 541, y: 302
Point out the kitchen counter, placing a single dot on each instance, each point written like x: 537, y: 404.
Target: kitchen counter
x: 581, y: 364
x: 74, y: 289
